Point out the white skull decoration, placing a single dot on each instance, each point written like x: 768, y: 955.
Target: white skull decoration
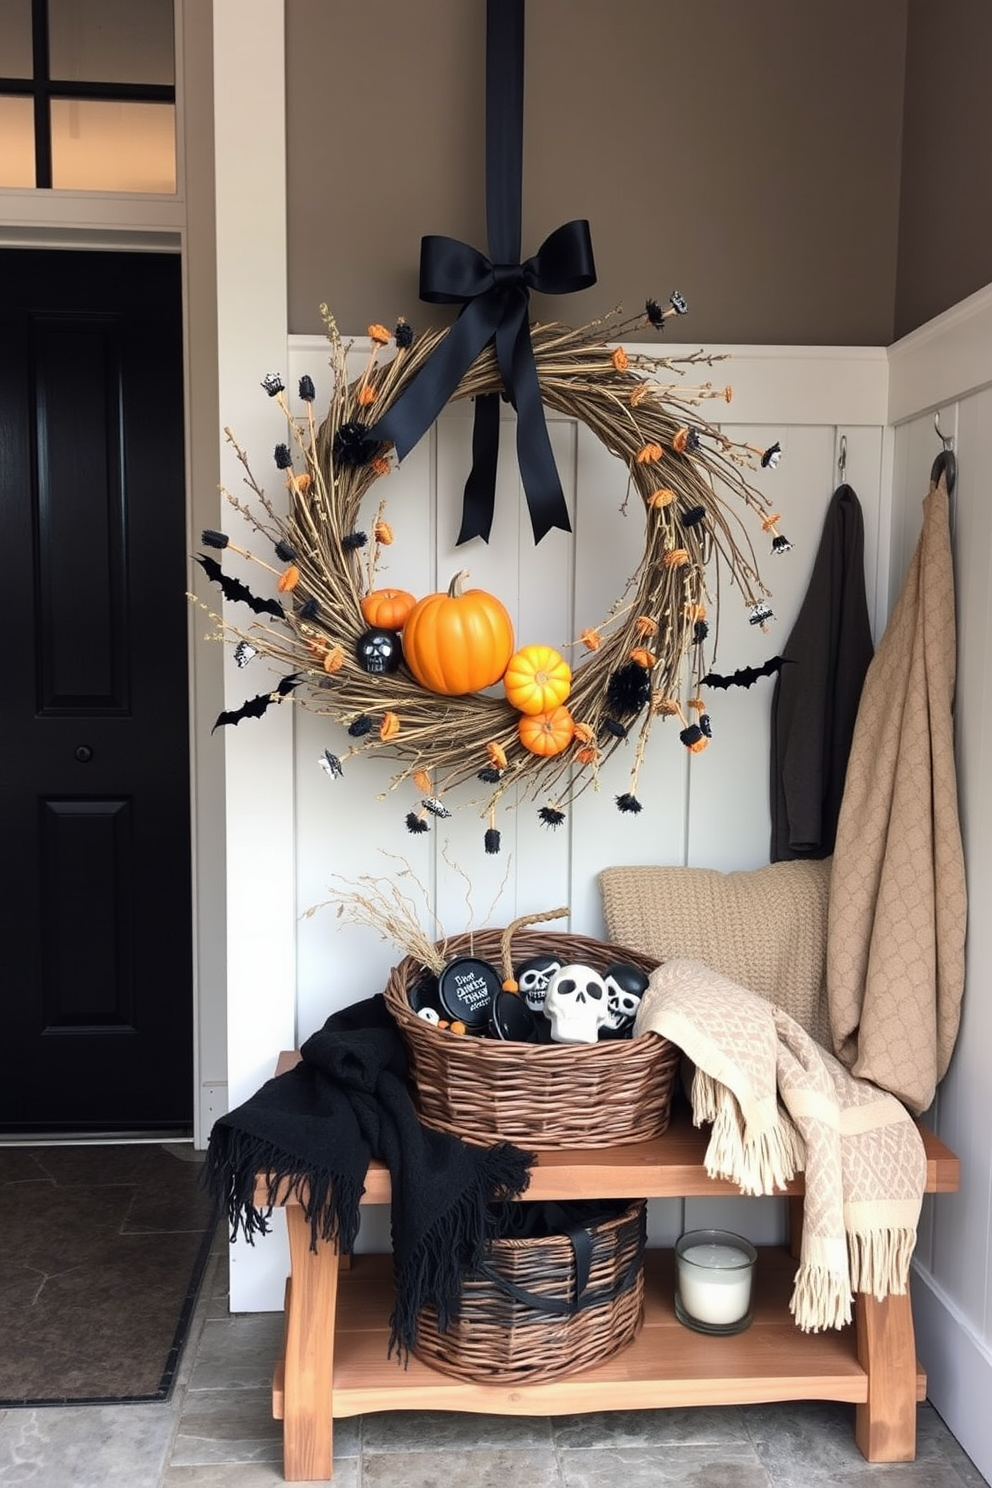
x: 533, y: 977
x: 576, y: 1004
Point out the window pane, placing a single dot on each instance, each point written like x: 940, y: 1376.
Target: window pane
x: 113, y: 146
x: 111, y: 41
x: 16, y: 142
x: 16, y: 56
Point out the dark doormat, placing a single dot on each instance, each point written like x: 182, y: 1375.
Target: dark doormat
x: 104, y: 1250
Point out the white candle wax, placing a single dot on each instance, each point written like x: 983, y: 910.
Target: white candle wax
x: 715, y: 1283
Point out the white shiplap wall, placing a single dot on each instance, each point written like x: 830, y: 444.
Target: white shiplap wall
x: 946, y: 368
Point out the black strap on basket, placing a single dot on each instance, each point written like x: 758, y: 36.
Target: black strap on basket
x: 581, y: 1240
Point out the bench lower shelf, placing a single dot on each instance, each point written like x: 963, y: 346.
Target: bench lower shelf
x: 666, y: 1365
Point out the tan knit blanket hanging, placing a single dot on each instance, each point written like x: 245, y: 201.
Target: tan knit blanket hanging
x: 898, y: 903
x: 779, y: 1104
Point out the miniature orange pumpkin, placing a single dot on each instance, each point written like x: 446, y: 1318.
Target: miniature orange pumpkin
x: 537, y: 679
x: 546, y: 734
x: 455, y: 643
x: 387, y: 609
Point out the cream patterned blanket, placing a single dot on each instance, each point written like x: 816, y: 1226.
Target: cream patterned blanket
x: 779, y: 1104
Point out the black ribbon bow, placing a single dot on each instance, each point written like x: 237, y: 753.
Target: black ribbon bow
x: 494, y: 292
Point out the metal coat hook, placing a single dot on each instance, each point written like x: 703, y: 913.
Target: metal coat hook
x: 842, y: 458
x: 945, y: 463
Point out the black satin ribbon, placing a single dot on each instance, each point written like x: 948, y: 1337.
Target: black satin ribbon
x: 494, y: 292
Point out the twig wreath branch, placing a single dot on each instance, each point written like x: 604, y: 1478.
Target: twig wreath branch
x: 636, y: 664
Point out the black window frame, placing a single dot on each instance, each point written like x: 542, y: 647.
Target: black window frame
x: 43, y: 89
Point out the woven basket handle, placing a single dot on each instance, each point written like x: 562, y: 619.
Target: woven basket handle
x: 505, y: 949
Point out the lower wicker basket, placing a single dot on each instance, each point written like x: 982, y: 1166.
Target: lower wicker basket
x: 547, y: 1305
x: 540, y: 1096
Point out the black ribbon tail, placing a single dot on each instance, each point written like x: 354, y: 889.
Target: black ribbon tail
x: 479, y: 502
x: 420, y: 404
x: 538, y: 471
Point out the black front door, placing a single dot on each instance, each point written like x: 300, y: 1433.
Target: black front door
x: 96, y: 1011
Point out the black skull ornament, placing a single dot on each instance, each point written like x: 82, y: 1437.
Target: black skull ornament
x: 533, y: 976
x: 625, y: 985
x: 379, y: 651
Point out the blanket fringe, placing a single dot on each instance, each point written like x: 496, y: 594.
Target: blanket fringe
x: 820, y: 1299
x: 234, y: 1158
x: 880, y: 1260
x: 758, y: 1164
x: 455, y: 1247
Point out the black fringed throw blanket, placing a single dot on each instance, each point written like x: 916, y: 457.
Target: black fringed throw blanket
x: 319, y: 1124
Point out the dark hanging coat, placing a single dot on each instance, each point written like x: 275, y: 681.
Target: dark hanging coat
x: 817, y: 690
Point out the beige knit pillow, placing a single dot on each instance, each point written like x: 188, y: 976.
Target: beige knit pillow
x: 765, y: 928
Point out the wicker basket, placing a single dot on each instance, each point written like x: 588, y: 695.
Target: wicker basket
x: 540, y: 1096
x: 526, y: 1315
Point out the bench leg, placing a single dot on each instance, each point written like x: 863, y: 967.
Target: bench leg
x: 885, y: 1428
x: 308, y: 1426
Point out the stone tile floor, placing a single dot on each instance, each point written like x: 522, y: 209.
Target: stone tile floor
x: 217, y: 1432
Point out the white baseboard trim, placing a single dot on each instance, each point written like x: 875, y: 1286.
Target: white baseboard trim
x: 958, y: 1366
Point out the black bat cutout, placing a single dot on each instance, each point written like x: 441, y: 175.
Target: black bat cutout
x: 256, y: 706
x: 234, y: 589
x: 744, y: 676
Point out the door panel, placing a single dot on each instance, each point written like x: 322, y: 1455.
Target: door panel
x: 96, y: 1010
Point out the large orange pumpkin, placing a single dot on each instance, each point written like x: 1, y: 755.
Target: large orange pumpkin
x: 537, y: 679
x: 387, y: 609
x: 455, y: 642
x: 546, y: 734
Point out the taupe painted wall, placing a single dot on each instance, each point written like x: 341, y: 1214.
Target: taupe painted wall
x: 747, y: 154
x: 945, y: 217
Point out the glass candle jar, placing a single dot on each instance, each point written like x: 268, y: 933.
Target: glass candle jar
x: 713, y: 1273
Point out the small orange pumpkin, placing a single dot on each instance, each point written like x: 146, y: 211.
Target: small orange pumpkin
x: 387, y: 609
x: 455, y: 643
x: 546, y: 734
x: 537, y: 679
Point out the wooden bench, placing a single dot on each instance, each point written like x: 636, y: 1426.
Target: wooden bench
x: 334, y: 1362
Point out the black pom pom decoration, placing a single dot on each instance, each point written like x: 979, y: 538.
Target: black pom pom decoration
x: 415, y: 823
x: 628, y: 803
x: 403, y: 334
x: 490, y: 775
x: 360, y: 726
x: 284, y: 552
x: 283, y: 458
x: 628, y: 689
x: 211, y: 539
x: 352, y: 445
x: 353, y: 540
x: 693, y: 516
x: 307, y: 390
x: 309, y: 609
x: 550, y: 816
x: 492, y: 840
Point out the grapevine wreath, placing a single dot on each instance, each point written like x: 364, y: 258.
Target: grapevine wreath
x: 439, y: 683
